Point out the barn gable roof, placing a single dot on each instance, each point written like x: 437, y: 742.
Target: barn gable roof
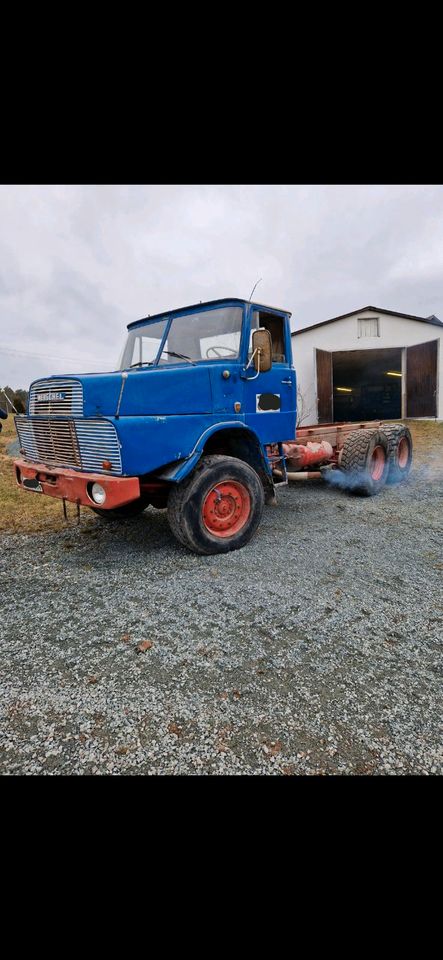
x: 393, y: 313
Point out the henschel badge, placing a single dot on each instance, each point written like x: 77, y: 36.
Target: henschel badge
x: 45, y: 397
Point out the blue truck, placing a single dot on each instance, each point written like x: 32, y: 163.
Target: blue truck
x: 200, y: 419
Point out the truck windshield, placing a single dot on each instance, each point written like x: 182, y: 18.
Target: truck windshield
x: 205, y: 335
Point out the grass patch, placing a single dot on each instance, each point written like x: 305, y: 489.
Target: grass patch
x: 427, y: 437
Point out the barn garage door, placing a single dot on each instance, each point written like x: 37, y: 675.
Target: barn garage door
x: 421, y: 380
x: 324, y: 386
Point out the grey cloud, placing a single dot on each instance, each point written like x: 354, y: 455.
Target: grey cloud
x: 77, y: 263
x: 77, y: 307
x: 12, y: 279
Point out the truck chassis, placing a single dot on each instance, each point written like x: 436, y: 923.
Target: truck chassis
x: 363, y: 456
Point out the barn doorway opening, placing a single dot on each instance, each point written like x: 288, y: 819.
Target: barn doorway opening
x: 367, y: 384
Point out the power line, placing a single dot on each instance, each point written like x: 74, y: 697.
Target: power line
x: 46, y: 356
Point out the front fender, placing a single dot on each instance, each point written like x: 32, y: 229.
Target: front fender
x: 181, y: 468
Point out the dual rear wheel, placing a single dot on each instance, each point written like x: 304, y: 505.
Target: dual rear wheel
x: 371, y: 458
x: 399, y: 452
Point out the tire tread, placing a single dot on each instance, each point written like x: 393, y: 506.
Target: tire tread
x: 354, y: 461
x: 394, y: 433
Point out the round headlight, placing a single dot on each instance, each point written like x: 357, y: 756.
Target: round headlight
x: 98, y: 493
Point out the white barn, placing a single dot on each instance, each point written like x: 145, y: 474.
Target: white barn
x: 369, y: 364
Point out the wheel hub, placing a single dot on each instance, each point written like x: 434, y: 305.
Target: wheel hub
x: 378, y: 461
x: 403, y: 453
x: 226, y: 508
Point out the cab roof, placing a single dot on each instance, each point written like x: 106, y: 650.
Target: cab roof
x: 207, y: 303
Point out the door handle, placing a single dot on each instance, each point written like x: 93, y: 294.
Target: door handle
x: 287, y: 381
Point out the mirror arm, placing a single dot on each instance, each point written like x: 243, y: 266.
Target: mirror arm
x: 258, y: 352
x: 252, y: 357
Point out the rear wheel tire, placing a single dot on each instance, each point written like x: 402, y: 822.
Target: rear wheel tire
x: 399, y: 451
x: 126, y: 512
x: 217, y: 508
x: 365, y: 461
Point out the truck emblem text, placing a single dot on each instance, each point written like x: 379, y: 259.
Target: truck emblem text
x: 45, y: 397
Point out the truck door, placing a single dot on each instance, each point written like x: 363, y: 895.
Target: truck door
x: 269, y: 399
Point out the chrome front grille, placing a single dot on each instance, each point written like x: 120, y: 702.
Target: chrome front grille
x: 82, y: 444
x: 98, y: 441
x: 49, y: 441
x: 57, y: 398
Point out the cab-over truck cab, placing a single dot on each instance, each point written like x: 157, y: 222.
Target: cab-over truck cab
x: 185, y: 423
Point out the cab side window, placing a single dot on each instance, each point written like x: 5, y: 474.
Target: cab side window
x: 275, y: 325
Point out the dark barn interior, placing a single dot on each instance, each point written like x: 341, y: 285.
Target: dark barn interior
x: 365, y: 386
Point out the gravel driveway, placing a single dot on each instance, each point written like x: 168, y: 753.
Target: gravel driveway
x: 315, y: 649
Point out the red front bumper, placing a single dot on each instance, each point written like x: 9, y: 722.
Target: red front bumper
x: 72, y: 485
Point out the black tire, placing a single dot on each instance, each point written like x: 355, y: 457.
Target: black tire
x: 193, y: 509
x: 364, y: 460
x: 399, y: 451
x: 126, y: 512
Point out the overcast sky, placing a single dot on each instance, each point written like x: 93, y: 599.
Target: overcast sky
x: 77, y: 263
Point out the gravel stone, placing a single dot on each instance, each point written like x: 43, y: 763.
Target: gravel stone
x: 316, y: 649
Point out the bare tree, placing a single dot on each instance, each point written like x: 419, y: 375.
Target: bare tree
x: 304, y: 410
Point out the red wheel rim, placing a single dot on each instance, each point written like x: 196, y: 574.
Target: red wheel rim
x: 378, y: 461
x: 403, y: 453
x: 226, y: 508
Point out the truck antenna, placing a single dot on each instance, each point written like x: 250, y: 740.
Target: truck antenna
x: 255, y: 285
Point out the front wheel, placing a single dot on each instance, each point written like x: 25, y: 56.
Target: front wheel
x: 218, y: 507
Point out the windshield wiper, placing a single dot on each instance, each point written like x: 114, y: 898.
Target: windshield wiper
x: 181, y: 356
x: 171, y: 353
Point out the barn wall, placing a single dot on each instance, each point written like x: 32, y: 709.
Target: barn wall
x: 343, y: 335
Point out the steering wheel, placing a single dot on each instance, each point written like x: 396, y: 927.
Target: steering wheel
x: 220, y: 356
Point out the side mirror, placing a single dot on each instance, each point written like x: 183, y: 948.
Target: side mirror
x: 262, y: 343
